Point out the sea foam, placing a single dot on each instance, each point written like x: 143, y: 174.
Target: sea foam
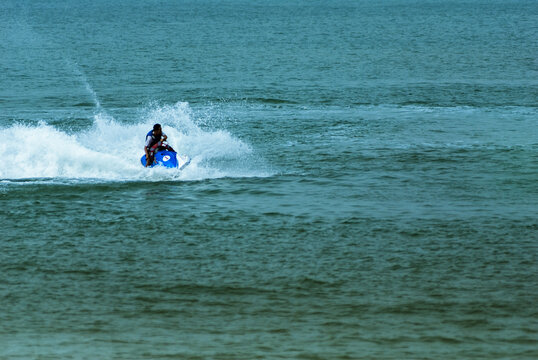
x: 110, y: 150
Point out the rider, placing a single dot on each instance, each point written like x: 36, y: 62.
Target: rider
x: 155, y: 140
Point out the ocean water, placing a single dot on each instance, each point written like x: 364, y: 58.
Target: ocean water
x: 363, y: 184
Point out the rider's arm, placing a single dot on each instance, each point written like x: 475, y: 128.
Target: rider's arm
x: 147, y: 155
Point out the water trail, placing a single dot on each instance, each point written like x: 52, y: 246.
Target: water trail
x: 22, y: 35
x: 75, y: 68
x: 111, y: 151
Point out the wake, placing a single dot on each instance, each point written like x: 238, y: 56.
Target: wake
x: 111, y: 151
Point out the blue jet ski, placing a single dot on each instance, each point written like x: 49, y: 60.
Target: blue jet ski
x: 167, y: 159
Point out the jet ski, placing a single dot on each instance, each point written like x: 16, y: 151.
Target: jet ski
x: 167, y: 159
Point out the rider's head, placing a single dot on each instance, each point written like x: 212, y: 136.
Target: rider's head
x: 157, y: 130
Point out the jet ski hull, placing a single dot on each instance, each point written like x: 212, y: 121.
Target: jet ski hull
x: 167, y: 159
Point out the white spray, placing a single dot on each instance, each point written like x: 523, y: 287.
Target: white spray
x: 111, y: 151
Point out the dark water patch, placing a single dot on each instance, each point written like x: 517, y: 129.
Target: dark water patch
x: 315, y: 283
x: 272, y: 101
x: 192, y: 289
x: 158, y: 310
x: 470, y: 323
x: 310, y: 356
x: 530, y: 330
x: 522, y: 341
x: 178, y: 355
x: 84, y: 104
x: 442, y: 339
x: 84, y: 272
x: 159, y: 299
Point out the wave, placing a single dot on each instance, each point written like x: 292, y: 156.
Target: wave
x: 111, y: 150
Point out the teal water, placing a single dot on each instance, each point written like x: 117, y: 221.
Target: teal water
x: 363, y: 183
